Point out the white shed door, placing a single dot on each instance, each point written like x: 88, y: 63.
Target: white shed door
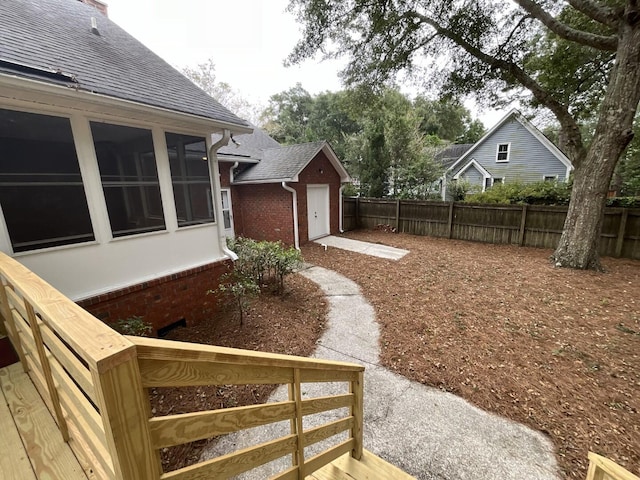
x: 318, y: 210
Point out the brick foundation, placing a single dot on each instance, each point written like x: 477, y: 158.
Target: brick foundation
x: 164, y: 300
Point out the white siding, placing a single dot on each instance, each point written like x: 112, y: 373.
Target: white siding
x: 529, y: 160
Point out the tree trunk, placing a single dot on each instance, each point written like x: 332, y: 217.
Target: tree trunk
x: 580, y: 240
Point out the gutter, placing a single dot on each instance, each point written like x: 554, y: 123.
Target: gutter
x: 215, y: 179
x: 340, y: 225
x: 296, y: 234
x: 233, y: 167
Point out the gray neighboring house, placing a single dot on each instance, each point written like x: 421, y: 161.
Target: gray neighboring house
x: 513, y: 150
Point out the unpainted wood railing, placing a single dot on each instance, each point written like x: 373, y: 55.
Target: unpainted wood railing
x: 95, y: 383
x: 601, y: 468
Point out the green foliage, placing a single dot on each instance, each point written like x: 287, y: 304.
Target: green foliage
x: 132, y: 326
x: 458, y: 189
x: 265, y: 263
x: 627, y: 202
x: 238, y: 287
x: 539, y: 193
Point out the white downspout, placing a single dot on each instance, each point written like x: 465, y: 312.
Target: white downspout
x: 296, y: 235
x: 340, y: 225
x: 214, y: 173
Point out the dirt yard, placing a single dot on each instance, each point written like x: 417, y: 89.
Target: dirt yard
x: 556, y: 349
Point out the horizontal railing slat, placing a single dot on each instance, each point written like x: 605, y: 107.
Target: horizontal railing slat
x: 176, y: 373
x: 153, y: 348
x: 317, y: 434
x: 236, y: 462
x: 322, y: 404
x: 189, y: 427
x: 311, y: 376
x: 289, y: 474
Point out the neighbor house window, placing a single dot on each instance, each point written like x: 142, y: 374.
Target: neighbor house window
x: 129, y: 178
x: 503, y: 152
x: 190, y: 178
x: 498, y: 180
x: 550, y: 178
x: 41, y: 191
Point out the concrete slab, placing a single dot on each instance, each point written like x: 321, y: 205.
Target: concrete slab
x: 366, y: 248
x: 430, y: 434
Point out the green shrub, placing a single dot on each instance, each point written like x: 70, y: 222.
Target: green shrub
x: 266, y: 263
x: 628, y: 202
x: 539, y: 193
x: 132, y: 326
x: 241, y: 289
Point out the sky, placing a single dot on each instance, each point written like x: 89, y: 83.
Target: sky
x: 247, y: 40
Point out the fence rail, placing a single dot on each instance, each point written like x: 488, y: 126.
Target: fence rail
x: 525, y: 225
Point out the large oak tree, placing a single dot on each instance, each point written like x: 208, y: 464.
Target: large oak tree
x: 489, y: 47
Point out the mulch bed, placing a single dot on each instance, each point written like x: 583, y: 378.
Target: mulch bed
x: 288, y: 324
x: 555, y: 349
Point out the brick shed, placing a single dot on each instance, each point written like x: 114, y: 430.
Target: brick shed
x: 275, y: 192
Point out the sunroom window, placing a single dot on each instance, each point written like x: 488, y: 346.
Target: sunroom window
x: 190, y: 179
x: 41, y: 191
x: 129, y: 177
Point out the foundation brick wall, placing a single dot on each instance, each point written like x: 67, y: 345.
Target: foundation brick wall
x: 164, y: 300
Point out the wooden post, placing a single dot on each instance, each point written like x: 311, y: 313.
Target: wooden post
x: 46, y: 370
x: 357, y: 411
x: 450, y: 221
x: 299, y: 429
x: 398, y: 215
x: 125, y: 411
x: 523, y: 223
x: 357, y: 213
x: 622, y: 228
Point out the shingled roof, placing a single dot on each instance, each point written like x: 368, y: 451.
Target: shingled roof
x: 281, y: 164
x: 451, y: 153
x: 246, y: 145
x: 52, y: 41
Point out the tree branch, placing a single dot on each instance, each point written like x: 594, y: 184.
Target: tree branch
x: 600, y: 42
x: 597, y: 12
x: 508, y: 68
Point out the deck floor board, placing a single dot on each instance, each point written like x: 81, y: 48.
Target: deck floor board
x: 37, y: 436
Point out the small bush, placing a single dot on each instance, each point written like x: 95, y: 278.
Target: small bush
x: 628, y: 202
x: 241, y: 289
x: 265, y: 262
x: 539, y: 193
x: 132, y: 326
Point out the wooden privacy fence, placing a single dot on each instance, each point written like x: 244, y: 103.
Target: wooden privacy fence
x: 525, y: 225
x: 95, y: 384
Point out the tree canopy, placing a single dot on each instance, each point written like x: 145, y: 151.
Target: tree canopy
x: 575, y: 58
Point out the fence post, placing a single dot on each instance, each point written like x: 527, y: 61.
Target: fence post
x: 450, y: 221
x: 357, y: 213
x: 398, y: 215
x: 622, y: 228
x: 357, y: 411
x: 125, y: 411
x: 523, y: 223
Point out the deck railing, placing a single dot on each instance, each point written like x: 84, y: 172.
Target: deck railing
x: 95, y: 383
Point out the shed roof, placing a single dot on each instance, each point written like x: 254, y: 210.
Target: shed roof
x: 52, y: 41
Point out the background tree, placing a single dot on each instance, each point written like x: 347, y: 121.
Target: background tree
x: 204, y: 76
x: 489, y: 49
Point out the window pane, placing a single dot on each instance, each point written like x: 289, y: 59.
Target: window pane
x: 129, y: 178
x: 190, y: 178
x: 41, y: 190
x: 503, y: 151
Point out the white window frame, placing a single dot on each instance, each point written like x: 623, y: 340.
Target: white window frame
x: 554, y: 177
x: 493, y: 180
x: 498, y: 152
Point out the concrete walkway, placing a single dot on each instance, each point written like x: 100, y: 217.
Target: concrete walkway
x: 367, y: 248
x: 428, y: 433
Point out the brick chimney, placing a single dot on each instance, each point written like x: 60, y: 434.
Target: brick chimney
x: 98, y: 5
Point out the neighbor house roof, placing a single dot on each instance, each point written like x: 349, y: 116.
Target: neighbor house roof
x: 53, y: 41
x: 448, y: 155
x: 284, y: 163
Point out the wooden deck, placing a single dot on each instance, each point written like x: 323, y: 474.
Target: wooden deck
x: 38, y: 451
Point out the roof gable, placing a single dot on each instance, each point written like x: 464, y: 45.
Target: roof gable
x: 513, y: 115
x: 52, y: 41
